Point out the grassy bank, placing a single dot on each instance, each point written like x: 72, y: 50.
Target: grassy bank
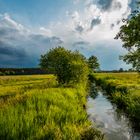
x: 35, y: 107
x: 124, y: 90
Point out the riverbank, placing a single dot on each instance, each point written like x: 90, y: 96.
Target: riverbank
x: 36, y: 107
x: 114, y: 124
x: 124, y: 90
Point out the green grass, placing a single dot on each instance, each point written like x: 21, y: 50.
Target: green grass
x: 124, y: 90
x: 35, y: 107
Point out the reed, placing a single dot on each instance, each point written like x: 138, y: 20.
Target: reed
x: 36, y: 107
x: 123, y: 89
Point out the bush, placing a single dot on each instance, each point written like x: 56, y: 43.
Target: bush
x: 92, y: 134
x: 1, y: 73
x: 69, y: 67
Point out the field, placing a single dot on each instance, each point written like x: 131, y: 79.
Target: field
x: 36, y: 107
x: 124, y: 90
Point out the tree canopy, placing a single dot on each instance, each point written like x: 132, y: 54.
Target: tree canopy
x: 69, y: 67
x: 93, y: 63
x: 130, y: 35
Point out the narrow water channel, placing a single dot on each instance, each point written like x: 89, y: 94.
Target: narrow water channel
x: 115, y: 126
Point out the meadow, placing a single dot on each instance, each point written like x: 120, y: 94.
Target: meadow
x: 124, y: 90
x: 36, y: 107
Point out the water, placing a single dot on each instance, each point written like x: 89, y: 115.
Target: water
x: 115, y: 126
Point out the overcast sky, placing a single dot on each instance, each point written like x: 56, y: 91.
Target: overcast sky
x: 28, y: 28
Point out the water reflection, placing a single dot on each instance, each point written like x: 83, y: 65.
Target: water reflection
x: 116, y: 126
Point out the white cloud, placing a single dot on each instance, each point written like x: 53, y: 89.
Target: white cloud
x: 46, y: 31
x: 8, y: 22
x: 81, y: 20
x: 92, y: 24
x: 95, y: 24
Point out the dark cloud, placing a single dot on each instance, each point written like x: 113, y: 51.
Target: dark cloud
x: 81, y: 43
x: 112, y: 25
x: 19, y: 48
x: 45, y: 40
x: 7, y: 32
x: 95, y: 22
x: 105, y: 4
x: 118, y: 22
x: 56, y: 40
x: 8, y: 50
x: 79, y: 28
x: 3, y: 32
x: 12, y: 55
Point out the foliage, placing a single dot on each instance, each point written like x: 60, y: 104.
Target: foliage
x: 124, y: 90
x: 130, y: 35
x: 34, y: 107
x: 93, y: 63
x: 91, y: 134
x: 121, y: 70
x: 1, y: 73
x: 69, y: 67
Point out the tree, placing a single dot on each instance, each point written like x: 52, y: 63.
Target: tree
x: 68, y: 66
x: 93, y: 63
x: 130, y: 35
x: 121, y: 70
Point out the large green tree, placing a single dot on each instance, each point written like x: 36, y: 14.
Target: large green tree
x: 68, y: 66
x: 130, y: 35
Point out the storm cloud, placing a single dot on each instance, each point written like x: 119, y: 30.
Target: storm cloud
x: 20, y: 47
x: 12, y: 56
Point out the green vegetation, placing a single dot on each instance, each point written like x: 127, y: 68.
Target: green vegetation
x: 129, y: 34
x: 35, y: 107
x: 123, y: 89
x: 69, y: 67
x: 47, y: 106
x: 93, y: 63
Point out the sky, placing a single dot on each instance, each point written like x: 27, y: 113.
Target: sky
x: 29, y: 28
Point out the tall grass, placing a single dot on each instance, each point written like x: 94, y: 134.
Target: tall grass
x: 35, y: 107
x: 124, y: 90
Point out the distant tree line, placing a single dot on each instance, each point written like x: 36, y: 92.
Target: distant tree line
x: 22, y: 71
x: 116, y: 71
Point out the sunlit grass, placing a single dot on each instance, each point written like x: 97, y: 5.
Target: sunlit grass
x: 35, y: 107
x: 124, y: 89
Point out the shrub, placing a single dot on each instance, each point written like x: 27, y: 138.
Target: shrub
x: 69, y: 67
